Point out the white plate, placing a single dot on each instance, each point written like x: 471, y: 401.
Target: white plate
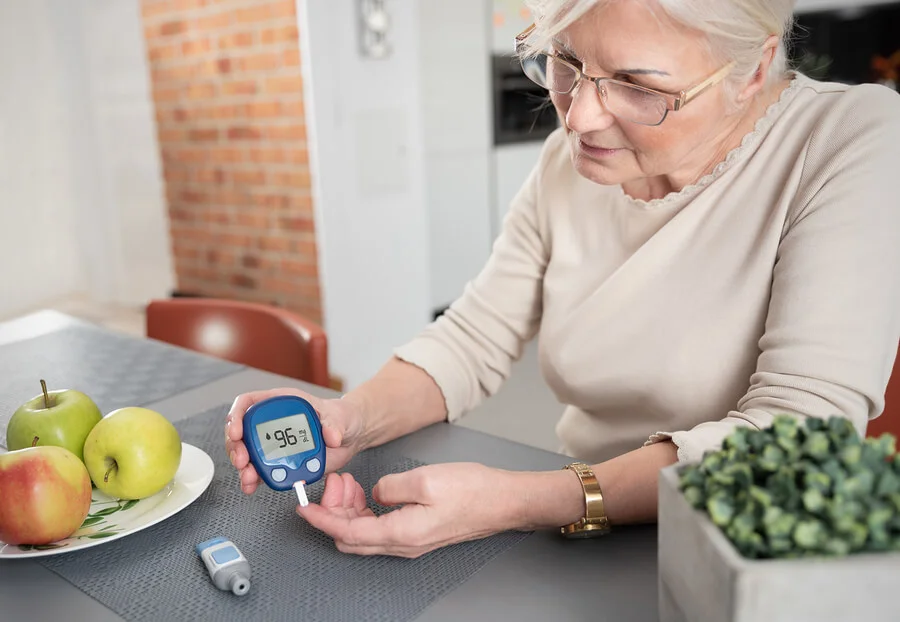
x: 110, y: 519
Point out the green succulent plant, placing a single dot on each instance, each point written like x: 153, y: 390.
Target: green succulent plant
x: 800, y: 489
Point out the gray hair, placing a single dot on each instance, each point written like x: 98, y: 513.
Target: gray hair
x: 736, y: 30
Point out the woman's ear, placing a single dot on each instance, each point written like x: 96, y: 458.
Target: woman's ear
x: 759, y: 79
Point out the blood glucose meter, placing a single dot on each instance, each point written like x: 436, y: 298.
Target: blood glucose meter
x: 283, y: 436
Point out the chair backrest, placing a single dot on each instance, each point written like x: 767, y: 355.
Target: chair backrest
x: 889, y: 421
x: 255, y: 335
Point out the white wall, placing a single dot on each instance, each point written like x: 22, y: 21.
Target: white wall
x: 455, y: 82
x: 366, y: 159
x: 82, y: 208
x: 508, y: 18
x: 136, y: 261
x: 41, y: 248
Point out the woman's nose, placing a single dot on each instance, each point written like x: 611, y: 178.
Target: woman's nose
x: 587, y: 113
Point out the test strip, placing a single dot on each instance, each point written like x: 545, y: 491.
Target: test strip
x: 301, y: 493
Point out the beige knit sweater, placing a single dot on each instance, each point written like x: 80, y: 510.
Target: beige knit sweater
x: 770, y: 286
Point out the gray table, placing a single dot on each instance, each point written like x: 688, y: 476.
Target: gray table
x: 543, y: 578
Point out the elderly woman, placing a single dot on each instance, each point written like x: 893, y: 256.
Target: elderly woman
x: 708, y: 240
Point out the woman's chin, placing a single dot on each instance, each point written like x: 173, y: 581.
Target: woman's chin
x: 604, y: 174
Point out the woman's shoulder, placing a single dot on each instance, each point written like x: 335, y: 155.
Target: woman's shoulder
x: 878, y: 93
x: 854, y: 106
x: 830, y: 124
x: 850, y: 140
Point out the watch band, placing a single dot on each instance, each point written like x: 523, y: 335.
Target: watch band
x: 595, y: 522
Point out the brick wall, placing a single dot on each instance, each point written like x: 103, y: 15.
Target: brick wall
x: 228, y: 93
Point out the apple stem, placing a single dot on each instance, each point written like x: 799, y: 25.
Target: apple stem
x: 112, y: 467
x: 35, y: 441
x: 46, y: 395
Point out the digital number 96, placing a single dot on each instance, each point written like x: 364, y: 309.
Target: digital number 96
x: 285, y: 437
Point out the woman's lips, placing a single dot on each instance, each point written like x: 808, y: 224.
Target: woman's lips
x: 597, y: 152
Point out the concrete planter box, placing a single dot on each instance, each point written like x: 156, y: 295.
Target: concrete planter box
x: 703, y: 578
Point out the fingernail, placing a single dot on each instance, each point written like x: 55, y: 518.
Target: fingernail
x: 231, y: 457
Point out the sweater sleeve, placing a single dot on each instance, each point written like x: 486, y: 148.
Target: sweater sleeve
x: 469, y: 350
x: 833, y: 321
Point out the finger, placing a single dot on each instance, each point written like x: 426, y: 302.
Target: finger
x: 350, y: 488
x: 390, y: 530
x: 249, y: 489
x: 333, y: 495
x: 305, y: 512
x: 343, y: 547
x: 411, y: 552
x: 331, y: 435
x: 399, y: 488
x: 237, y: 453
x: 365, y: 530
x: 249, y: 476
x: 235, y: 417
x: 234, y: 431
x: 360, y: 503
x: 359, y: 511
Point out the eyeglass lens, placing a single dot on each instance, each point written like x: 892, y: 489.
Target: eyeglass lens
x: 631, y: 103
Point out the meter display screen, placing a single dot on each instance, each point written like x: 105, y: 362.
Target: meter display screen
x: 285, y: 437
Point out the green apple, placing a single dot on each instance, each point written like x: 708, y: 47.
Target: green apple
x: 45, y: 495
x: 61, y: 418
x: 132, y: 453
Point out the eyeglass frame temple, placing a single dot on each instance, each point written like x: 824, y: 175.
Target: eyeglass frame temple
x: 520, y: 38
x: 685, y: 97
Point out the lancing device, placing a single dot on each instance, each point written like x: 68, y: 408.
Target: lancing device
x: 228, y: 568
x: 283, y: 436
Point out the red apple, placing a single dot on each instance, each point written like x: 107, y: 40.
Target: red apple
x: 45, y: 495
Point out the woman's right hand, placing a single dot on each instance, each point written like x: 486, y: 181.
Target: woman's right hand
x: 342, y: 430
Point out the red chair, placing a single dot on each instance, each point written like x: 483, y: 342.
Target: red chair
x: 889, y: 421
x: 255, y: 335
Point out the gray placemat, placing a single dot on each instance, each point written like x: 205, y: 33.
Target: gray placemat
x: 297, y: 573
x: 115, y: 370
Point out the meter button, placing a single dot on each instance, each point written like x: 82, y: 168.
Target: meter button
x: 314, y: 465
x: 279, y: 475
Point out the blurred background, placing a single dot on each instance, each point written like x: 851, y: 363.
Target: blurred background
x: 348, y: 160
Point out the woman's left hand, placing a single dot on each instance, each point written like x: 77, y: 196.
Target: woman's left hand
x: 442, y: 504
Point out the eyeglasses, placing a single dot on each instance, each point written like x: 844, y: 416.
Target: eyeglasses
x: 631, y: 102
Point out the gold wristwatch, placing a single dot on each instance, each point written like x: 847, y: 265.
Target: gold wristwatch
x: 595, y: 523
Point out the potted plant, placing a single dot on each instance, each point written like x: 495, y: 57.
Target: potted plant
x: 798, y: 521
